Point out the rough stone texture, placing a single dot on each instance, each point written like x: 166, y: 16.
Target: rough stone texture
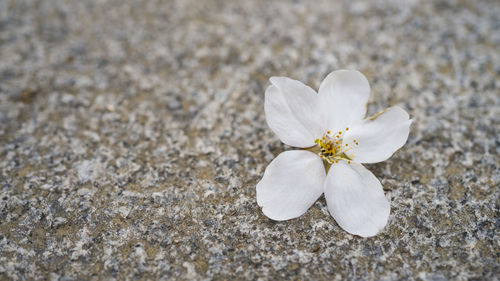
x: 132, y: 135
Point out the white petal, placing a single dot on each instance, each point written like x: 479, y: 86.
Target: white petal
x: 292, y: 182
x: 378, y: 137
x: 355, y: 199
x: 291, y: 112
x: 343, y: 95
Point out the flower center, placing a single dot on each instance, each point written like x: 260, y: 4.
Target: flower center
x: 332, y: 147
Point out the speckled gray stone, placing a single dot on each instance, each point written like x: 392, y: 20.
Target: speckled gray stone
x: 132, y: 135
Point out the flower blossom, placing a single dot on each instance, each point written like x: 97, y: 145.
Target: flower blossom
x: 335, y: 139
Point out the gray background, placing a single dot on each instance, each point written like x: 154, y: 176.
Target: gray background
x: 132, y: 135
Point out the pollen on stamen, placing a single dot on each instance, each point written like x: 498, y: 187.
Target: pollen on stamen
x: 332, y: 148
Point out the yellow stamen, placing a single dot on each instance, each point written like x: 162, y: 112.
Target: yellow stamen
x: 332, y: 149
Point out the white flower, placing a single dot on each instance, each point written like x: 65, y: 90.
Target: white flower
x: 330, y: 128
